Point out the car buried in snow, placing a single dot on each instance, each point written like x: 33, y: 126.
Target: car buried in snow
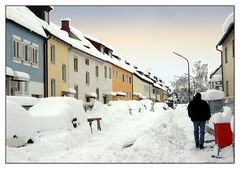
x: 218, y: 104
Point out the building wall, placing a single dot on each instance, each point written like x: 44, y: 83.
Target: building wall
x: 119, y: 85
x: 140, y: 86
x: 79, y: 78
x: 228, y: 68
x: 55, y: 70
x: 36, y: 74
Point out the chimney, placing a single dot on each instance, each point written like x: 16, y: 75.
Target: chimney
x: 65, y: 24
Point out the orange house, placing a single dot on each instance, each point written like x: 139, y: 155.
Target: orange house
x: 122, y: 83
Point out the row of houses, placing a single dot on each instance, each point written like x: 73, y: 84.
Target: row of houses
x: 44, y: 59
x: 223, y: 77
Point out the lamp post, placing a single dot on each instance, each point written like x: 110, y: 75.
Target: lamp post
x: 193, y: 82
x: 188, y: 73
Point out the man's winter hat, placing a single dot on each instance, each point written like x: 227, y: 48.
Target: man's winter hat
x: 198, y: 95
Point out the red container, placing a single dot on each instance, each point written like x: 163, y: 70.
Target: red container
x: 223, y: 134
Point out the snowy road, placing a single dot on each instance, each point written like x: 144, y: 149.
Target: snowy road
x: 147, y: 137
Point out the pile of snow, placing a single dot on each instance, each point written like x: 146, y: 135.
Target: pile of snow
x: 97, y: 110
x: 23, y: 100
x: 20, y: 126
x: 212, y: 95
x: 229, y: 20
x: 216, y: 78
x: 161, y: 105
x: 58, y: 113
x: 224, y: 117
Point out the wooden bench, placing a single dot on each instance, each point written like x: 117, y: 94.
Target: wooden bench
x: 90, y: 120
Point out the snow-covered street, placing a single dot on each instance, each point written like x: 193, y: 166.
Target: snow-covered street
x: 162, y: 136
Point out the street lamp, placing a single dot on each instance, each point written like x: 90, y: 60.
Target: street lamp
x: 193, y: 82
x: 188, y: 73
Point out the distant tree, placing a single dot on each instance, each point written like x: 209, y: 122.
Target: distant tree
x: 200, y: 73
x: 180, y: 83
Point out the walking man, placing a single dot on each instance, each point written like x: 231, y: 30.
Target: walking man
x: 199, y: 112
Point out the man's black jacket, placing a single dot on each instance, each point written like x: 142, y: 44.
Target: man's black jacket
x: 198, y: 110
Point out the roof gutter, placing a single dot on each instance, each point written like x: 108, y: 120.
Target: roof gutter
x: 221, y: 65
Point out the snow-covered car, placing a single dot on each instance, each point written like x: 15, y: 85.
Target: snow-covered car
x: 54, y: 113
x: 20, y: 127
x: 221, y: 108
x: 25, y: 101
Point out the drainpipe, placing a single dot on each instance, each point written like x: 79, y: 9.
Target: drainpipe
x: 46, y: 67
x: 221, y: 65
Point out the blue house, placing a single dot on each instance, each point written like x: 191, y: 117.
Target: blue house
x: 25, y: 52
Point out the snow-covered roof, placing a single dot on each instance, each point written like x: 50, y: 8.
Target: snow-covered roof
x: 119, y: 93
x: 142, y: 76
x: 212, y: 95
x: 71, y: 90
x: 97, y: 40
x: 9, y: 71
x: 91, y: 94
x: 228, y: 21
x: 23, y: 16
x: 21, y: 76
x: 110, y: 93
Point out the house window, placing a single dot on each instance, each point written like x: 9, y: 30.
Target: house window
x: 130, y: 80
x: 34, y: 55
x: 26, y: 87
x: 110, y: 73
x: 26, y: 50
x: 97, y: 92
x: 87, y: 79
x: 86, y: 61
x: 76, y: 89
x: 75, y: 64
x: 153, y: 91
x: 105, y: 72
x: 63, y: 72
x: 16, y: 47
x: 226, y: 59
x: 127, y: 78
x: 113, y: 74
x: 123, y: 77
x: 52, y: 54
x: 102, y: 49
x: 227, y: 88
x: 96, y: 71
x: 116, y: 75
x: 53, y: 87
x: 19, y: 87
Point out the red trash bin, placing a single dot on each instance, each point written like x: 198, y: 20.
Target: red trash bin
x: 223, y: 134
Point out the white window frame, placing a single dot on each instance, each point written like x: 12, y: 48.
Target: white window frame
x: 18, y: 87
x: 35, y: 55
x: 26, y: 52
x: 17, y: 39
x: 75, y: 66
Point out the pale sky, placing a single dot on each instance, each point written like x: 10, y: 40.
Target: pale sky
x: 147, y: 35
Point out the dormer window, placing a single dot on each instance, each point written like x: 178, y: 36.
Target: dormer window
x: 110, y: 53
x: 102, y: 49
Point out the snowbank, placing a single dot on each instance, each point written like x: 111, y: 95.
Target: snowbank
x: 224, y: 117
x: 58, y: 113
x: 212, y: 95
x: 159, y: 106
x: 23, y: 100
x: 20, y: 126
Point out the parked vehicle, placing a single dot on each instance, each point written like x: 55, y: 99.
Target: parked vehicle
x: 217, y: 102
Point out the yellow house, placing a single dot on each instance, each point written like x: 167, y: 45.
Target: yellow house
x: 57, y: 61
x: 122, y: 83
x: 227, y: 58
